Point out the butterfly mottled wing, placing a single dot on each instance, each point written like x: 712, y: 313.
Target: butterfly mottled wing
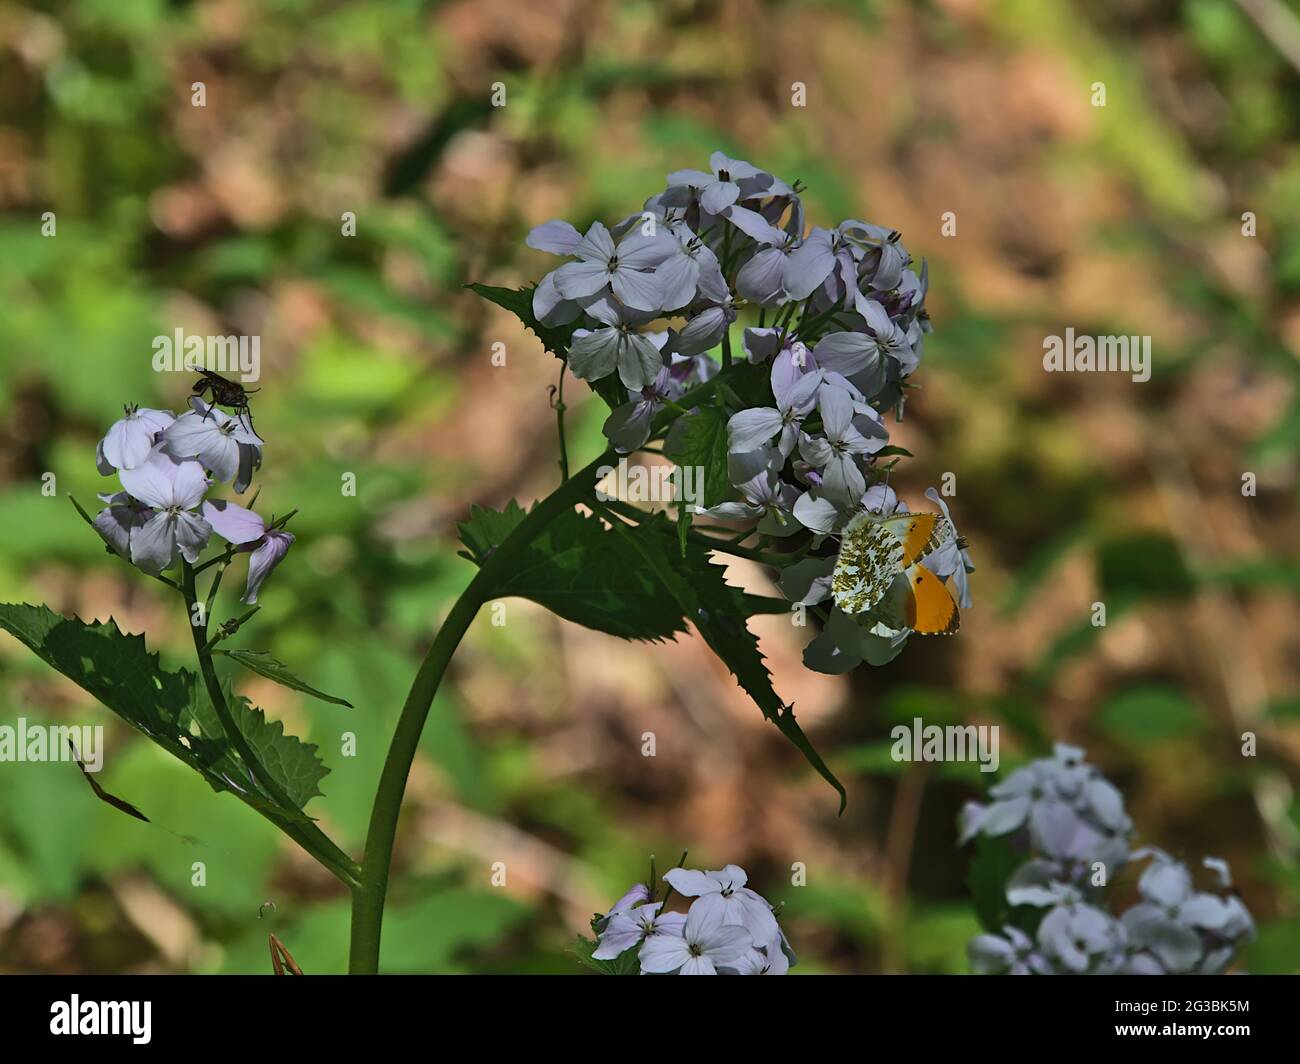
x: 932, y: 609
x: 869, y: 559
x: 918, y: 533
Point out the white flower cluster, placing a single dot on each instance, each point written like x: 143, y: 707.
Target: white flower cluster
x: 166, y: 465
x: 1070, y: 822
x: 840, y: 325
x: 728, y: 929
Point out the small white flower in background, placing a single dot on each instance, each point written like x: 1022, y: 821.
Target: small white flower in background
x: 728, y: 929
x: 225, y: 445
x: 731, y: 180
x: 172, y: 490
x: 1062, y: 818
x: 249, y: 532
x: 128, y: 441
x: 706, y: 943
x: 634, y: 926
x: 724, y: 891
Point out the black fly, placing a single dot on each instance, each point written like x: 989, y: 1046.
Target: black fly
x: 226, y: 393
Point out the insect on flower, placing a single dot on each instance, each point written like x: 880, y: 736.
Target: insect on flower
x: 875, y: 550
x: 226, y: 393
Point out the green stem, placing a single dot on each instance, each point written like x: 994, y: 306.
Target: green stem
x: 369, y: 894
x: 305, y: 833
x: 559, y: 422
x: 371, y: 890
x: 229, y: 628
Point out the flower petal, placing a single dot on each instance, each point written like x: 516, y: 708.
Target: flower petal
x: 153, y: 544
x: 264, y: 559
x: 557, y: 237
x: 233, y: 523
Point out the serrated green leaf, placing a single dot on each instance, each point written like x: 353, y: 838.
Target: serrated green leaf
x: 171, y: 708
x: 719, y: 611
x: 555, y: 338
x: 700, y: 440
x: 632, y: 581
x: 580, y: 570
x: 262, y: 663
x: 487, y: 529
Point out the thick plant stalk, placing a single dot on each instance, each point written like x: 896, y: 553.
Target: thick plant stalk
x: 369, y: 895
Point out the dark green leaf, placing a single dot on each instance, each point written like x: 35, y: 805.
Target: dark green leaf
x: 995, y: 861
x: 171, y: 708
x: 579, y: 569
x: 718, y: 612
x: 1143, y: 564
x: 700, y: 440
x: 1149, y: 713
x: 631, y: 581
x: 263, y: 664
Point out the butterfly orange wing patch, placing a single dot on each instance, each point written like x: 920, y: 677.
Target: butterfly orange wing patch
x: 932, y: 609
x: 918, y: 533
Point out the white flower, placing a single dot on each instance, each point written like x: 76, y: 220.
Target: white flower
x: 724, y: 892
x: 172, y: 489
x: 595, y: 354
x: 706, y: 943
x: 625, y: 268
x: 843, y: 482
x: 950, y: 558
x: 249, y: 532
x: 225, y: 446
x: 634, y: 926
x: 116, y: 521
x: 128, y: 442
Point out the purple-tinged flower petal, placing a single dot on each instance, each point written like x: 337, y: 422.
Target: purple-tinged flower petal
x: 808, y: 265
x: 593, y: 355
x: 640, y: 291
x: 690, y: 883
x: 153, y: 544
x: 760, y: 279
x: 163, y: 483
x: 639, y: 362
x: 754, y: 225
x: 233, y: 523
x: 128, y: 441
x: 557, y: 237
x: 264, y: 559
x: 749, y: 429
x: 577, y: 280
x: 192, y: 535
